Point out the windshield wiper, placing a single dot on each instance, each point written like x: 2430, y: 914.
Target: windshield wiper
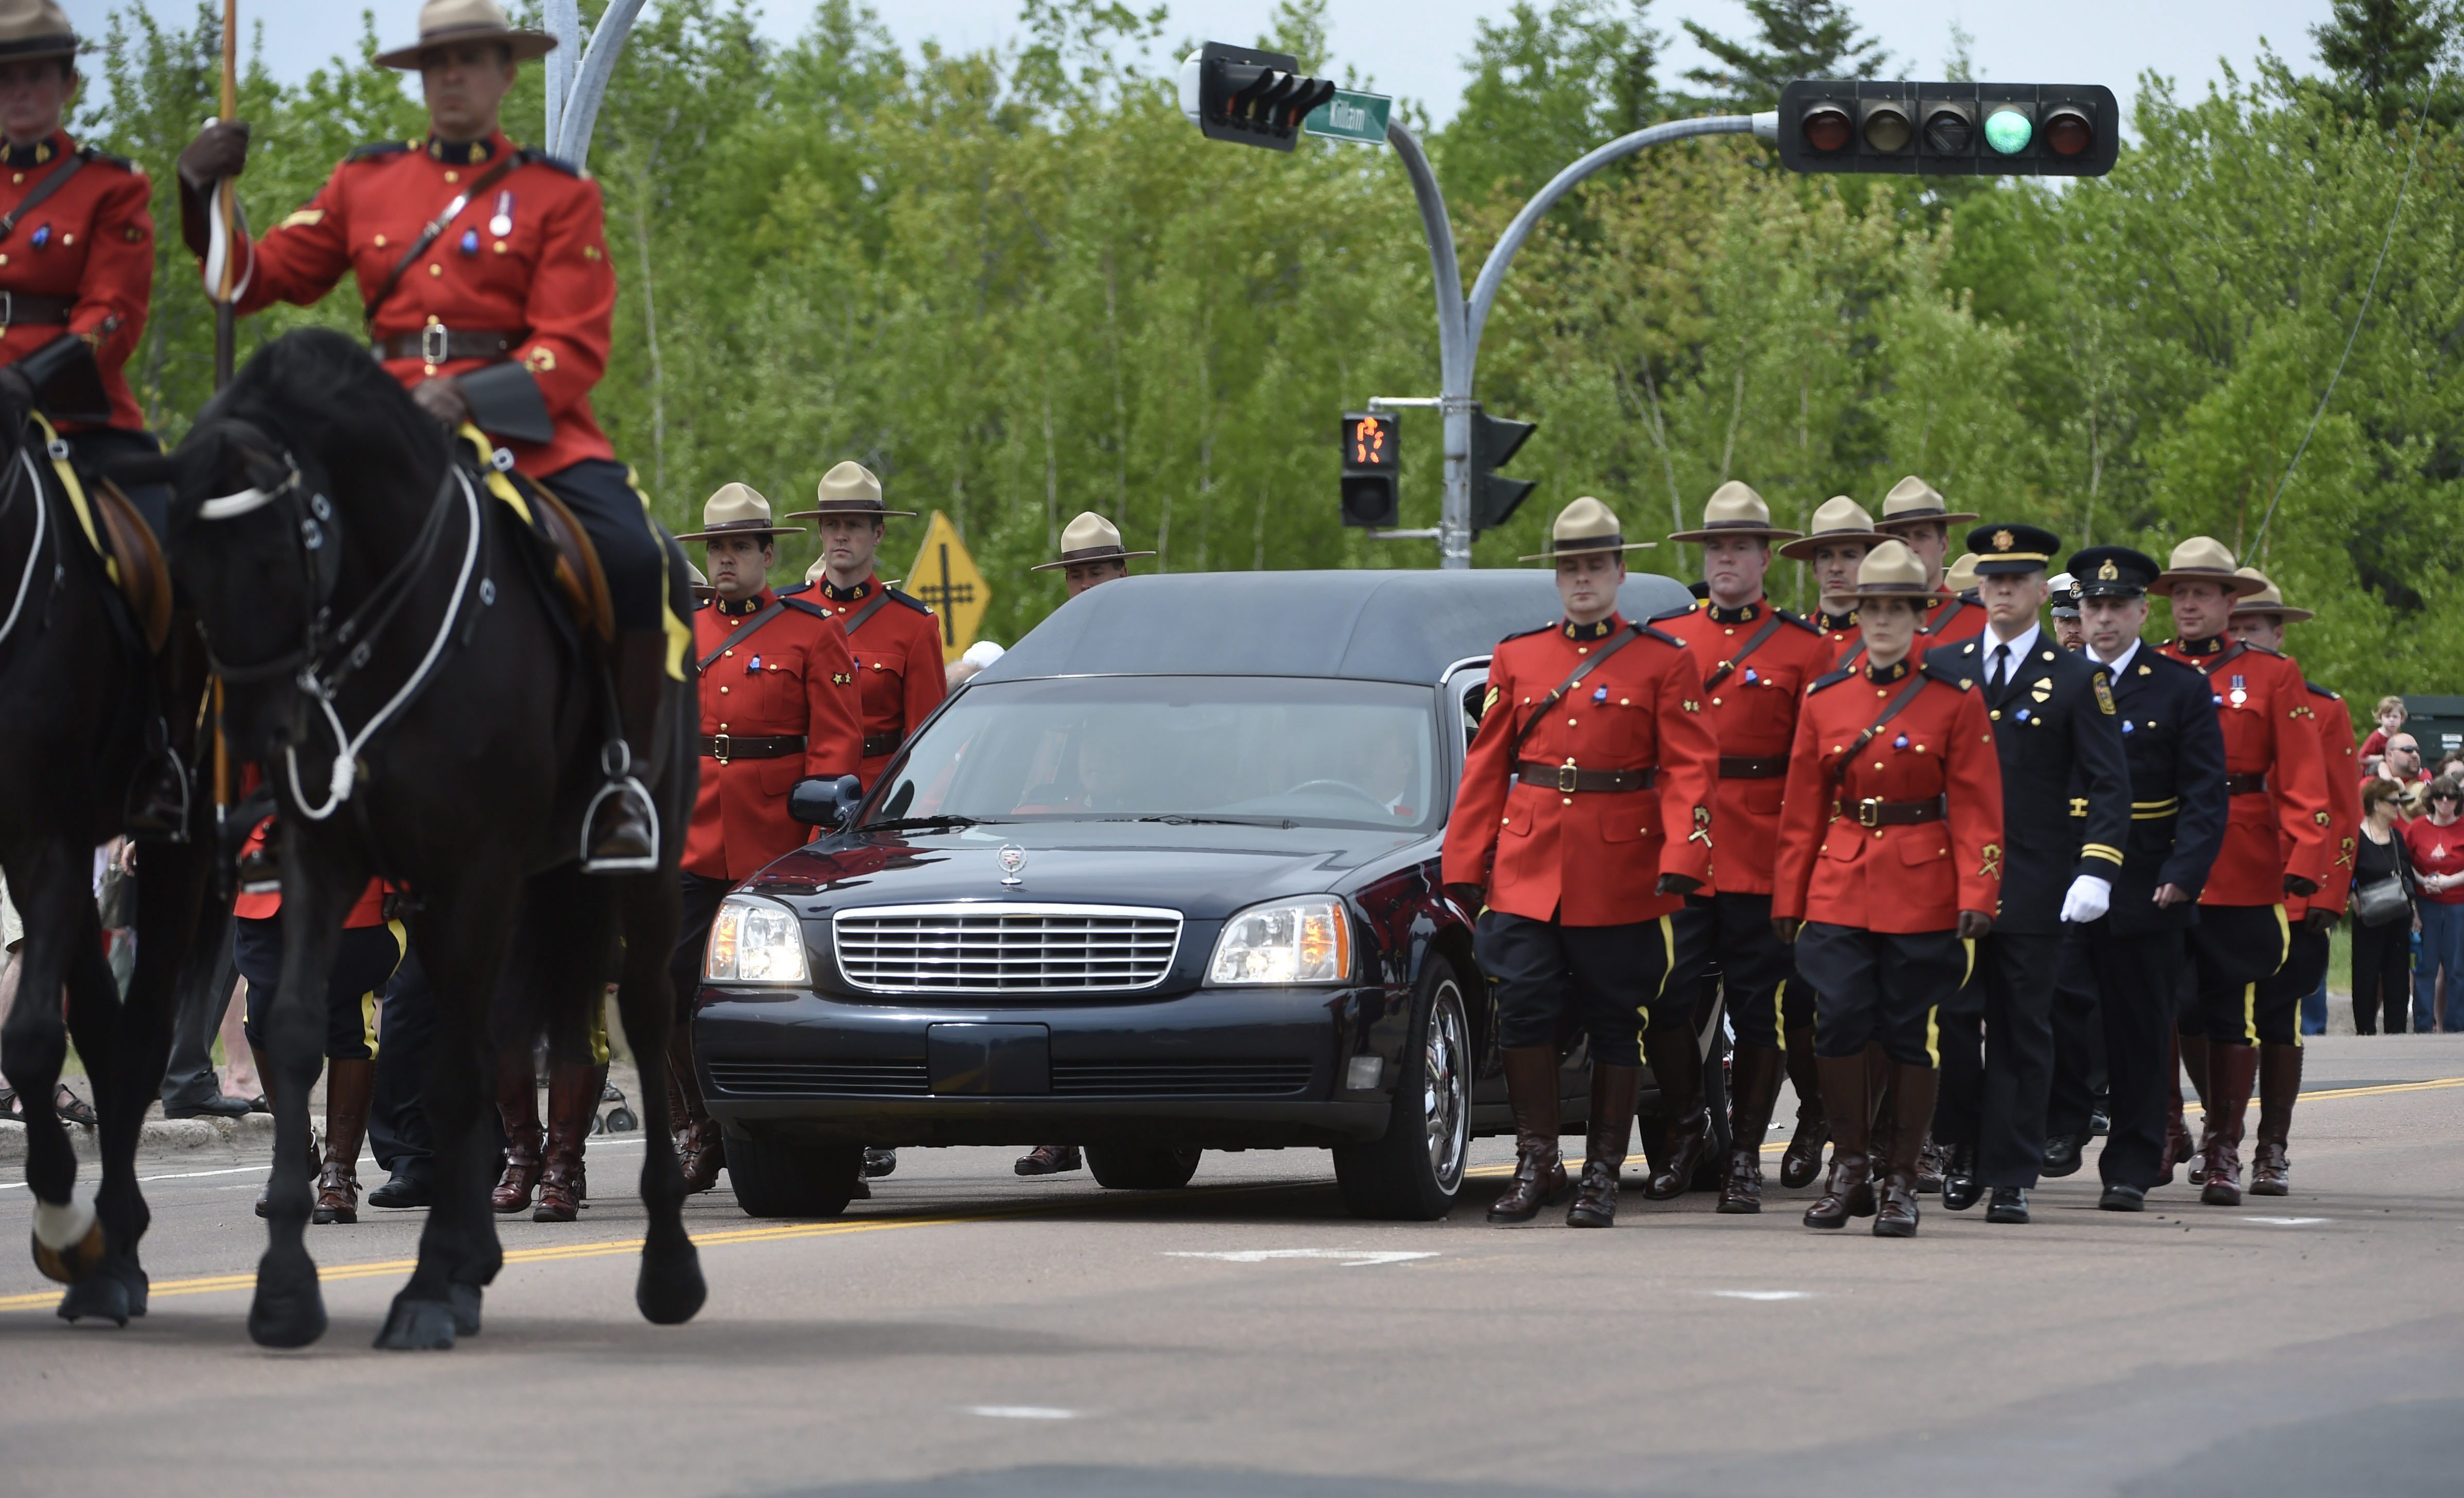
x: 1178, y: 820
x: 946, y: 820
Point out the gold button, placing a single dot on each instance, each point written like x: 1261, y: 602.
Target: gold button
x: 454, y: 176
x: 435, y: 269
x: 1570, y: 722
x: 1567, y: 801
x: 1623, y: 702
x: 17, y: 177
x: 1505, y: 821
x: 727, y: 652
x: 1582, y: 649
x: 429, y: 369
x: 1878, y: 764
x: 379, y: 241
x: 1715, y: 701
x: 501, y: 247
x: 1995, y: 713
x: 723, y: 692
x: 723, y: 728
x: 67, y: 240
x: 1730, y: 632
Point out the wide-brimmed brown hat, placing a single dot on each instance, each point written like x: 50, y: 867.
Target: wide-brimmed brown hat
x: 735, y: 509
x: 31, y: 30
x: 702, y: 591
x: 1584, y: 527
x: 1912, y: 501
x: 1891, y: 570
x: 2203, y: 558
x: 2268, y: 600
x: 450, y: 23
x: 1961, y: 575
x: 847, y: 488
x: 1838, y: 518
x: 1734, y: 508
x: 1089, y: 538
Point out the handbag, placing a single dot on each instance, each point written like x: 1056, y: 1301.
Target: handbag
x: 2382, y: 902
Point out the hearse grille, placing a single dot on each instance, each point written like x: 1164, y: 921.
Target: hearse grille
x: 984, y: 948
x: 1181, y: 1079
x: 820, y: 1078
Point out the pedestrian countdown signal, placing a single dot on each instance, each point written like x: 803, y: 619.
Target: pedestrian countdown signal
x: 1373, y: 460
x: 1949, y: 129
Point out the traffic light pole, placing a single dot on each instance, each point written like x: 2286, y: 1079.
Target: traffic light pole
x: 1460, y: 323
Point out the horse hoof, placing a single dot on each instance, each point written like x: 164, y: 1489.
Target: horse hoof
x: 288, y: 1310
x: 68, y: 1242
x: 465, y: 1301
x: 670, y: 1288
x: 102, y: 1298
x: 417, y: 1326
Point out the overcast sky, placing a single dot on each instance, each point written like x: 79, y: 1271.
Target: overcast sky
x: 1416, y: 47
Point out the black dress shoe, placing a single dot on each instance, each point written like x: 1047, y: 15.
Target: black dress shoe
x: 2100, y: 1122
x: 878, y: 1163
x: 2063, y: 1154
x: 1960, y: 1187
x: 221, y: 1105
x: 403, y: 1188
x: 2009, y: 1204
x: 2118, y: 1197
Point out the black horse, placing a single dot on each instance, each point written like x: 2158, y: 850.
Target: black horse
x: 91, y: 706
x: 394, y: 659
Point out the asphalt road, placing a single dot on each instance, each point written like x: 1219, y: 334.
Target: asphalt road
x: 969, y: 1332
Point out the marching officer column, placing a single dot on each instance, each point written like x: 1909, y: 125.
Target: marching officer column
x: 1756, y: 661
x: 1583, y: 820
x: 1890, y: 866
x: 2055, y: 735
x: 2276, y: 844
x: 2259, y: 620
x: 779, y: 706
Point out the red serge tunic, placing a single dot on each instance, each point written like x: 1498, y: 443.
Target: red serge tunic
x: 1906, y: 878
x: 1587, y: 858
x: 527, y: 256
x: 1960, y: 619
x: 792, y: 677
x: 2341, y: 761
x: 91, y: 242
x: 898, y: 657
x: 2279, y: 822
x: 1752, y: 710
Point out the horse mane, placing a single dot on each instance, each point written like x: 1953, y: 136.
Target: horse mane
x: 321, y: 392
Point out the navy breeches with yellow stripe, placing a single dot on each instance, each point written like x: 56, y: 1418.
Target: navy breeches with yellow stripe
x: 362, y: 964
x: 1881, y: 987
x: 2233, y: 949
x: 1553, y: 980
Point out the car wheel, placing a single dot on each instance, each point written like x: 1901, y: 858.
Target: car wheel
x: 1142, y: 1167
x: 1415, y: 1172
x: 792, y: 1177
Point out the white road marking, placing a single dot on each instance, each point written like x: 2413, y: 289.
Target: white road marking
x: 1346, y: 1258
x: 2285, y: 1222
x: 1763, y: 1294
x: 1020, y: 1412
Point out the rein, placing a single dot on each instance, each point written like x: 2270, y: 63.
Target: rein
x: 35, y: 549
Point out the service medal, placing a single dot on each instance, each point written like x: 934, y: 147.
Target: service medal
x: 502, y: 224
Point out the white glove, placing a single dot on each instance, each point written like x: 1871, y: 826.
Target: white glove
x: 984, y: 653
x: 2088, y: 899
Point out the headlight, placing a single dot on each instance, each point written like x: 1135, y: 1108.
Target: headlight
x: 755, y: 942
x: 1291, y: 941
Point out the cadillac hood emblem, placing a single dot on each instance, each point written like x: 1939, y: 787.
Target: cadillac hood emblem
x: 1012, y: 859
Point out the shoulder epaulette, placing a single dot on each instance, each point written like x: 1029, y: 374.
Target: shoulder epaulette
x: 2255, y: 648
x: 910, y: 600
x: 96, y: 153
x: 1524, y: 633
x: 1675, y: 613
x: 2332, y: 696
x: 1662, y: 635
x: 1948, y: 676
x: 377, y: 150
x: 799, y: 588
x: 529, y: 155
x: 805, y: 605
x: 1832, y: 680
x: 700, y: 605
x: 1798, y: 619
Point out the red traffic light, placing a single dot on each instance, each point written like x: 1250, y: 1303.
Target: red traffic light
x: 2068, y: 131
x: 1826, y: 128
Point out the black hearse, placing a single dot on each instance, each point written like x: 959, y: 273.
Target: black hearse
x: 1164, y: 879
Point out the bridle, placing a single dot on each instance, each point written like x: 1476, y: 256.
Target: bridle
x: 330, y: 653
x: 24, y: 468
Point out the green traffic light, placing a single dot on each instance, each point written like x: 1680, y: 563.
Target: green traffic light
x: 2008, y: 131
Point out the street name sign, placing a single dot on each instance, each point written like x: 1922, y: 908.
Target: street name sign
x: 1350, y: 117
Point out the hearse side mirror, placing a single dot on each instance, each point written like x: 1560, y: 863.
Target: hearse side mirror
x: 819, y: 802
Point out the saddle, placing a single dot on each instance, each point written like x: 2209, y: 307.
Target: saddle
x: 131, y: 554
x: 562, y: 547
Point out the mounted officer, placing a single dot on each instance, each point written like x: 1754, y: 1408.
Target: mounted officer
x: 486, y: 290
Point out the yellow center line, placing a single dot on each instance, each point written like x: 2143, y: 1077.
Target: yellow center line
x: 216, y: 1284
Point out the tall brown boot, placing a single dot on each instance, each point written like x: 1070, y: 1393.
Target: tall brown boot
x: 348, y: 1085
x: 1753, y: 1085
x: 573, y: 1088
x: 518, y: 1105
x: 2177, y: 1131
x: 1913, y: 1094
x: 2195, y: 1066
x: 1531, y: 1092
x: 2279, y: 1082
x: 1848, y: 1193
x: 1677, y: 1070
x: 622, y: 836
x: 316, y: 1157
x: 698, y: 1150
x: 2231, y: 1071
x: 1803, y: 1160
x: 1613, y: 1090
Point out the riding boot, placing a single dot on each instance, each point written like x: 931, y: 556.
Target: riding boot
x: 1531, y: 1093
x: 2177, y: 1132
x: 1912, y: 1096
x: 572, y: 1101
x: 518, y: 1105
x: 158, y: 799
x: 2230, y: 1071
x: 622, y: 835
x: 1803, y: 1160
x: 698, y: 1150
x: 1677, y: 1070
x: 2279, y: 1082
x: 315, y: 1157
x: 1933, y: 1163
x: 1613, y: 1091
x: 2194, y: 1065
x: 1877, y: 1110
x: 1848, y: 1193
x: 348, y: 1085
x: 1753, y: 1085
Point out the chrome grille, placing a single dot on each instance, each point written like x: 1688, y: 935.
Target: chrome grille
x: 819, y: 1078
x: 1181, y: 1079
x: 986, y: 948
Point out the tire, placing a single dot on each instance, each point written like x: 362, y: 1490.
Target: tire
x: 1142, y: 1167
x: 1416, y: 1170
x: 792, y: 1177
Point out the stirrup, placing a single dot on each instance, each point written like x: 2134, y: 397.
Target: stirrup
x: 616, y: 761
x: 145, y: 780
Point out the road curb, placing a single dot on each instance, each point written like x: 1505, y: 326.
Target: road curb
x: 158, y: 1136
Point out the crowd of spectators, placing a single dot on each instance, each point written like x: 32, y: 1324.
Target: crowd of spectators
x: 2413, y: 838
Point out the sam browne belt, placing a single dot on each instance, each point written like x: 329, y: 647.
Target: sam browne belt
x: 437, y: 345
x: 724, y: 747
x: 2246, y: 784
x: 33, y: 309
x: 875, y: 745
x: 1753, y: 767
x: 1570, y: 779
x: 1875, y: 813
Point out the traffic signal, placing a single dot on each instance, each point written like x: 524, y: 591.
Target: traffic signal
x: 1373, y: 459
x: 1494, y: 439
x: 1949, y: 129
x: 1255, y: 97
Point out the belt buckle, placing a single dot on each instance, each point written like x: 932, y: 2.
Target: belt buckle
x: 433, y: 342
x: 719, y: 747
x: 1566, y: 774
x: 8, y: 308
x: 1869, y: 812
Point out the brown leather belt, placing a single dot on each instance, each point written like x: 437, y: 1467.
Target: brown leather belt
x: 724, y: 747
x: 1871, y: 812
x: 1753, y: 767
x: 35, y: 309
x: 1568, y: 778
x: 2246, y: 784
x: 875, y: 745
x: 437, y: 345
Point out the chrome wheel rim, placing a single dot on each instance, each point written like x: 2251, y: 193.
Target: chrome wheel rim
x: 1446, y: 1087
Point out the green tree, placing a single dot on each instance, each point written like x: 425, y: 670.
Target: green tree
x: 2388, y: 55
x: 1544, y: 88
x: 1793, y: 39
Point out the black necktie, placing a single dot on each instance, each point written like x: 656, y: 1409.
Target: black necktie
x: 1999, y: 673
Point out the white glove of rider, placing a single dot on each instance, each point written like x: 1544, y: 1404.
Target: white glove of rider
x: 2089, y: 898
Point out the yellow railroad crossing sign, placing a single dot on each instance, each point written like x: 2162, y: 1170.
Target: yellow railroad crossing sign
x: 945, y: 577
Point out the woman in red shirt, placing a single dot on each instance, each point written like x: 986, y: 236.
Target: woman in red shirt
x: 2435, y: 842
